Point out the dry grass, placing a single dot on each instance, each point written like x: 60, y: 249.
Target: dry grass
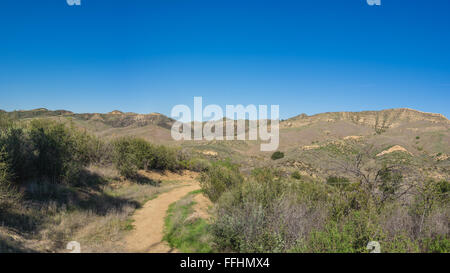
x: 98, y: 217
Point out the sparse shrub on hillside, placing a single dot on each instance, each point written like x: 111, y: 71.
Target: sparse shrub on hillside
x: 277, y: 155
x: 197, y: 164
x: 431, y: 197
x: 220, y: 177
x: 390, y: 182
x: 338, y: 181
x: 266, y: 174
x: 440, y: 244
x: 296, y: 175
x: 443, y: 187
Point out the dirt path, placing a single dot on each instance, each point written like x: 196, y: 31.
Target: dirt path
x: 149, y: 221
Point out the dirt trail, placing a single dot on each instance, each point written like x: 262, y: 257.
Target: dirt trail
x: 149, y: 221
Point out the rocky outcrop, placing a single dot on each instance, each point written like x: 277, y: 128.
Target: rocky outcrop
x: 379, y: 120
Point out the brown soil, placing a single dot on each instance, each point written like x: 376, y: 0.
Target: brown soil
x: 148, y: 232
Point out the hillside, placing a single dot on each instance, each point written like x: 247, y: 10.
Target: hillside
x: 426, y: 136
x: 98, y: 190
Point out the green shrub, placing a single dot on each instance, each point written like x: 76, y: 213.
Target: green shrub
x: 197, y: 164
x: 220, y: 177
x: 18, y: 151
x: 90, y: 149
x: 166, y: 158
x: 266, y: 174
x: 440, y: 244
x: 400, y: 244
x: 125, y: 158
x: 277, y: 155
x: 338, y: 181
x: 296, y: 175
x: 8, y: 195
x: 57, y: 155
x: 133, y: 154
x: 183, y: 230
x: 390, y: 183
x: 348, y: 236
x: 443, y: 187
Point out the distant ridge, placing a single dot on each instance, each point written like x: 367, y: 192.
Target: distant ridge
x: 115, y: 119
x: 383, y: 119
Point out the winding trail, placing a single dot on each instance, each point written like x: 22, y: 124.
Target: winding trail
x: 148, y: 232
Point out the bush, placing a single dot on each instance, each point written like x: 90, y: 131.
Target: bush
x: 265, y: 215
x: 91, y: 149
x: 18, y: 152
x: 125, y: 158
x: 270, y: 213
x: 48, y: 150
x: 166, y: 159
x: 8, y: 195
x: 440, y: 244
x: 133, y: 154
x: 338, y: 181
x: 57, y: 155
x: 197, y: 164
x: 296, y: 175
x: 220, y: 177
x: 277, y: 155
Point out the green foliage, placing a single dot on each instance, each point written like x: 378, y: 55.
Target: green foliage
x: 166, y: 158
x: 133, y: 154
x: 338, y: 181
x: 185, y: 232
x: 390, y: 182
x: 125, y: 159
x: 277, y: 155
x: 8, y: 195
x: 430, y: 196
x: 266, y: 174
x: 220, y: 177
x: 197, y: 164
x: 296, y: 175
x: 440, y: 244
x: 47, y: 150
x: 401, y: 243
x: 55, y: 151
x: 443, y: 187
x: 268, y: 212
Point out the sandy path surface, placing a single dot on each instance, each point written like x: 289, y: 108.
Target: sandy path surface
x: 149, y: 221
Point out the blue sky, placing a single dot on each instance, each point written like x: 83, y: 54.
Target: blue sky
x: 147, y: 56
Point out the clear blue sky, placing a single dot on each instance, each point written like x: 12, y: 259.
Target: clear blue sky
x: 307, y: 56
